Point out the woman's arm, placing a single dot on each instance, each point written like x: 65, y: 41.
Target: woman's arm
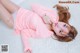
x: 48, y: 15
x: 25, y: 35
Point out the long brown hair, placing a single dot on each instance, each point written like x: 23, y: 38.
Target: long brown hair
x: 64, y: 16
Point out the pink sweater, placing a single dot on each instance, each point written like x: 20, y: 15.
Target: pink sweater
x: 41, y: 11
x: 29, y: 24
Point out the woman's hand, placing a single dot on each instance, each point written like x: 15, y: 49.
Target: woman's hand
x: 28, y: 51
x: 46, y: 19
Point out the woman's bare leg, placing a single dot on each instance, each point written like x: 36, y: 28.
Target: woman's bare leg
x: 6, y: 16
x: 10, y: 6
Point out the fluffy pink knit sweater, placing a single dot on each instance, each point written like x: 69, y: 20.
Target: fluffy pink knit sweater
x: 30, y: 23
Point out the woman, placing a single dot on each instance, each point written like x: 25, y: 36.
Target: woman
x: 62, y: 22
x: 36, y: 24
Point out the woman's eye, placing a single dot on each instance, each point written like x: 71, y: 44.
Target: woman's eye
x: 60, y: 31
x: 64, y: 25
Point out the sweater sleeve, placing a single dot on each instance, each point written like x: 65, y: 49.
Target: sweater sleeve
x: 41, y: 11
x: 25, y: 35
x: 41, y: 30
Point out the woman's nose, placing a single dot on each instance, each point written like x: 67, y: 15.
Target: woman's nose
x: 64, y: 33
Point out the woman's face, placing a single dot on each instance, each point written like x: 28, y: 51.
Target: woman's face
x: 61, y: 29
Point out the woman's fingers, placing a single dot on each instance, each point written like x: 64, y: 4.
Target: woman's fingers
x: 28, y: 51
x: 46, y: 19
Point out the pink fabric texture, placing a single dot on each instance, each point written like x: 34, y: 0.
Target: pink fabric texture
x: 41, y: 11
x: 29, y: 24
